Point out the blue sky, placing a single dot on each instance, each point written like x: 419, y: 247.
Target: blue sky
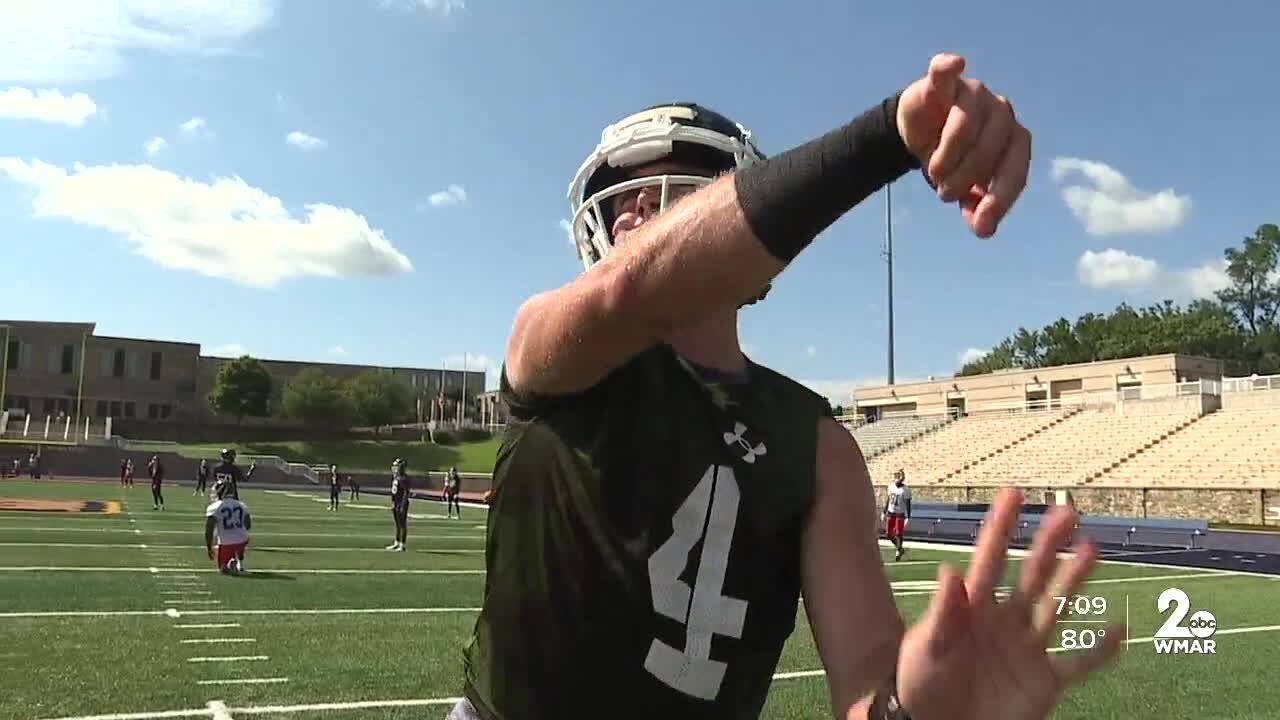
x: 148, y: 181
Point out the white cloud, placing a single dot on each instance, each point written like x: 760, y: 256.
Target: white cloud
x: 567, y: 228
x: 303, y: 141
x: 194, y: 127
x: 811, y: 351
x: 155, y: 145
x: 442, y: 7
x: 47, y: 106
x: 1113, y: 268
x: 229, y: 350
x: 337, y: 350
x: 970, y: 355
x: 224, y: 228
x: 451, y: 195
x: 1113, y: 205
x: 84, y: 40
x: 475, y: 363
x: 1117, y: 269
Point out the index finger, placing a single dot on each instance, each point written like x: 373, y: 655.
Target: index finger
x: 1006, y: 185
x: 993, y: 541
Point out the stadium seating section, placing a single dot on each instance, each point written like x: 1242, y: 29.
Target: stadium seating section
x: 890, y: 432
x: 1141, y: 444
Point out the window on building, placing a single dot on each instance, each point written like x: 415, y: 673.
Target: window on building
x: 64, y: 406
x: 165, y: 411
x: 130, y: 409
x: 117, y: 363
x: 68, y: 359
x: 49, y: 405
x: 101, y: 409
x: 115, y: 408
x: 15, y: 353
x: 153, y: 411
x: 156, y: 358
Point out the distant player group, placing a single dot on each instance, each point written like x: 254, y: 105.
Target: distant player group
x: 227, y: 519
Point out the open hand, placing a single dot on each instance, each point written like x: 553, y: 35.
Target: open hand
x: 970, y: 657
x: 970, y: 145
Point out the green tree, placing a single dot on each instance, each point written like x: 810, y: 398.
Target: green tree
x: 379, y: 398
x: 316, y: 398
x: 1254, y: 293
x: 242, y: 388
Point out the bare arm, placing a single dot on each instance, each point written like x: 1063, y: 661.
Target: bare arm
x: 855, y: 623
x: 697, y: 257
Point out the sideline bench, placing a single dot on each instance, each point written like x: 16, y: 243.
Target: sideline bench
x: 936, y: 516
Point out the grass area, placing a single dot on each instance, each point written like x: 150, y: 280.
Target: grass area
x: 369, y: 455
x: 327, y: 616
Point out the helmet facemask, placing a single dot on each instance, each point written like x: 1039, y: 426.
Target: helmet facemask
x: 686, y: 135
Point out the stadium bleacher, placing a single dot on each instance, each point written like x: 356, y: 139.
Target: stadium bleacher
x: 893, y: 430
x: 1239, y: 448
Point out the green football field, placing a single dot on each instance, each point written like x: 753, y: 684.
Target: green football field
x: 120, y: 616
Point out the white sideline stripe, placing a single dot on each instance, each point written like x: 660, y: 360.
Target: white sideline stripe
x: 186, y: 592
x: 228, y: 658
x: 171, y: 612
x: 218, y: 710
x: 244, y: 681
x: 1129, y: 641
x: 374, y: 704
x: 298, y: 571
x: 215, y: 641
x: 308, y: 548
x: 469, y: 536
x: 207, y: 626
x: 932, y: 584
x: 1102, y: 560
x: 192, y: 602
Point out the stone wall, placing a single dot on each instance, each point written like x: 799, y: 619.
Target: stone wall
x: 1215, y: 504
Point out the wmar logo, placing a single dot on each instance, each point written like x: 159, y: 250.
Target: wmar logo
x: 1174, y: 638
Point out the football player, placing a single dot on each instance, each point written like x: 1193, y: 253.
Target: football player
x: 202, y: 478
x: 155, y: 469
x: 662, y: 501
x: 452, y: 487
x: 897, y: 510
x: 228, y: 520
x: 335, y: 487
x: 399, y: 504
x: 228, y: 474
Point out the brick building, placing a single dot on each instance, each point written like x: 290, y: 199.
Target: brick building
x: 57, y: 369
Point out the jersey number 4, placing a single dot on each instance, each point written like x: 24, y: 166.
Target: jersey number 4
x: 709, y: 514
x: 227, y: 522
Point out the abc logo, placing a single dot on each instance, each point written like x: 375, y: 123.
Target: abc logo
x: 1202, y: 623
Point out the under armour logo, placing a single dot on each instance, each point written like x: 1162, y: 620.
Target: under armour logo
x: 737, y: 437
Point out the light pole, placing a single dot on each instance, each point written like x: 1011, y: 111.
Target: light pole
x: 4, y: 371
x: 84, y: 343
x: 888, y: 253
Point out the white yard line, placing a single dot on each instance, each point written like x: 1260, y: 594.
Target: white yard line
x: 427, y: 702
x: 216, y: 641
x: 1129, y: 641
x: 308, y: 548
x: 228, y: 658
x: 280, y: 571
x: 174, y: 612
x: 206, y: 626
x: 468, y: 536
x: 244, y: 681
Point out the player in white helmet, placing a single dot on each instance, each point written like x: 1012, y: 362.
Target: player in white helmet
x: 227, y: 521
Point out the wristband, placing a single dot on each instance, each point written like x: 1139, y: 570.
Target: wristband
x: 788, y: 199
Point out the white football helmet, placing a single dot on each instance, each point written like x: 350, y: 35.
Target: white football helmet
x: 683, y: 132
